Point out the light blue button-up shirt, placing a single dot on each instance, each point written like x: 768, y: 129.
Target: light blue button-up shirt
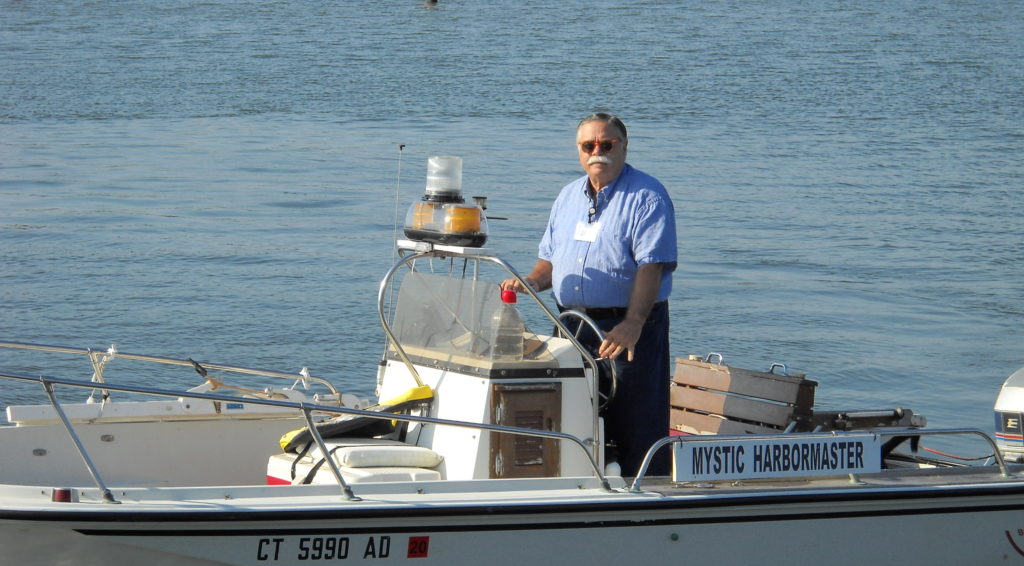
x: 595, y: 257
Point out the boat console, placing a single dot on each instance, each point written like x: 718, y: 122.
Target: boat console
x: 441, y: 330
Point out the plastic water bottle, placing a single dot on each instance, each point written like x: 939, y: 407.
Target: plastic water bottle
x: 507, y: 329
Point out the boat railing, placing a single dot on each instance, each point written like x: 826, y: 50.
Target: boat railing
x: 894, y: 433
x: 99, y: 360
x: 307, y: 410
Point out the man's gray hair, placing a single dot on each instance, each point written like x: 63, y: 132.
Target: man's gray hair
x: 608, y: 119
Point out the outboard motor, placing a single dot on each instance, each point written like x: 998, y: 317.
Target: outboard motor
x: 1010, y: 418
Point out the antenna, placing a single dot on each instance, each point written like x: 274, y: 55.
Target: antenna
x: 398, y: 196
x: 394, y: 256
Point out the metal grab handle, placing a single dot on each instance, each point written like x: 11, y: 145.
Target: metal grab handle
x: 721, y: 359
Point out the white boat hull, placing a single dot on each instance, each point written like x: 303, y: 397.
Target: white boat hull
x: 510, y: 522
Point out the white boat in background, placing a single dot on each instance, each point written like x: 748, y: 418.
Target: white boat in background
x: 473, y: 454
x: 162, y: 432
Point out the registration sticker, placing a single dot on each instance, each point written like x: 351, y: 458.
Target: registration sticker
x: 418, y: 547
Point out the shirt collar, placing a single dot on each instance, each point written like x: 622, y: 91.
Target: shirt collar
x: 607, y: 189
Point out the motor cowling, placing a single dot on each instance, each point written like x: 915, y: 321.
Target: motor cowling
x: 1009, y: 414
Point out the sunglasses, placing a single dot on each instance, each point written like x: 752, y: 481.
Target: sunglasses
x: 605, y: 145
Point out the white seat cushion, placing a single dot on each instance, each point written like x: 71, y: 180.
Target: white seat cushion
x: 370, y: 475
x: 280, y: 466
x: 376, y: 453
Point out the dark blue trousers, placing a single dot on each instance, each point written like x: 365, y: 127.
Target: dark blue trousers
x: 638, y: 416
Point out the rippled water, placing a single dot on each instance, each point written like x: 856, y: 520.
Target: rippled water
x: 218, y: 179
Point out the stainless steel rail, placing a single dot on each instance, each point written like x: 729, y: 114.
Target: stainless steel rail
x: 306, y: 408
x: 1004, y: 471
x: 107, y: 496
x: 112, y: 353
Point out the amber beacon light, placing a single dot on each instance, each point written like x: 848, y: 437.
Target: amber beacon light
x: 442, y: 216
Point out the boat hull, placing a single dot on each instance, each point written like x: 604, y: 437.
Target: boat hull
x: 969, y: 524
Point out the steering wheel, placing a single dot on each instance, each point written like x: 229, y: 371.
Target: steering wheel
x: 604, y: 367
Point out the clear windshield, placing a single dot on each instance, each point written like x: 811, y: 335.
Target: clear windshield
x: 446, y: 317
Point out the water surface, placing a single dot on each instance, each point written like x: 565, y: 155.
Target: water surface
x: 220, y: 179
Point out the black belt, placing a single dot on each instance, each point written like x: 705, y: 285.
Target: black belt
x: 601, y: 313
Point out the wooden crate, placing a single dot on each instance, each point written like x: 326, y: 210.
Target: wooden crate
x: 713, y: 398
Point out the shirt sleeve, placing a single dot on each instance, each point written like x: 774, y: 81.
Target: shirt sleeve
x: 655, y: 234
x: 545, y: 250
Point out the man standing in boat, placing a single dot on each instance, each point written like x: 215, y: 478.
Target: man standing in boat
x: 609, y: 250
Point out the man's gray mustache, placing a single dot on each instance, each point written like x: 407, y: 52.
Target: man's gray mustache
x: 599, y: 159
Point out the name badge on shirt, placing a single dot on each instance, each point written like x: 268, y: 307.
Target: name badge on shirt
x: 587, y: 231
